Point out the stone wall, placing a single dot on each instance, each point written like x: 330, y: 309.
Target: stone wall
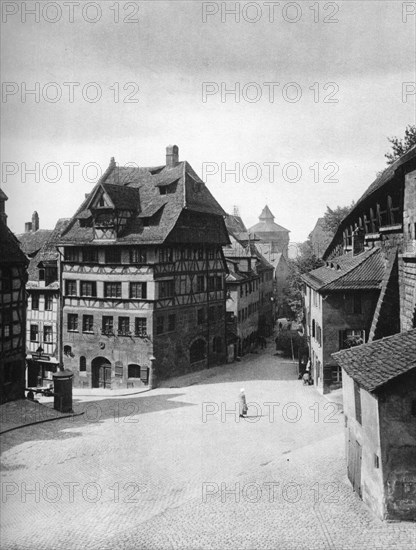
x: 398, y: 444
x: 407, y: 259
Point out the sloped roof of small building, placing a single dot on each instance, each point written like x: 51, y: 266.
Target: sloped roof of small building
x: 375, y: 364
x: 140, y: 188
x: 361, y: 272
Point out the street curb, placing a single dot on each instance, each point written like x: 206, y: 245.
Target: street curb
x: 41, y: 422
x: 112, y: 396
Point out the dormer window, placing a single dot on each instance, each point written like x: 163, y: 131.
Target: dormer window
x: 101, y: 202
x: 41, y: 274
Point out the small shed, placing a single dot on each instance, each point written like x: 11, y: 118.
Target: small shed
x: 379, y: 392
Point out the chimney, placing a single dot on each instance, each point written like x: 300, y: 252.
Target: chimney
x: 28, y: 227
x: 172, y: 155
x: 35, y: 221
x: 357, y: 241
x: 236, y: 211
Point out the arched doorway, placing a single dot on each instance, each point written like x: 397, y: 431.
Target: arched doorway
x: 101, y: 373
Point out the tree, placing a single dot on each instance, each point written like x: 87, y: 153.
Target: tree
x: 306, y: 261
x: 333, y: 217
x: 401, y: 146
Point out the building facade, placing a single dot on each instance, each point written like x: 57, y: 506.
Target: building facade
x: 379, y: 397
x: 13, y: 264
x: 367, y: 288
x: 143, y: 277
x: 44, y: 303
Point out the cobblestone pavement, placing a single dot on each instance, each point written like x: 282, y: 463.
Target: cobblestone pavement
x: 177, y: 468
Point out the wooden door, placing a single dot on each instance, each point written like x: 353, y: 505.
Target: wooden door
x: 354, y: 464
x: 104, y: 377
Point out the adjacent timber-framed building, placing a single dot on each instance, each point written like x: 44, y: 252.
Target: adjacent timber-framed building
x: 13, y: 275
x: 143, y: 277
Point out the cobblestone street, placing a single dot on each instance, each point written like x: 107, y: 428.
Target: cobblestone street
x: 177, y: 468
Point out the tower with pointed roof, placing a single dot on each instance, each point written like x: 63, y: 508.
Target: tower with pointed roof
x: 272, y: 237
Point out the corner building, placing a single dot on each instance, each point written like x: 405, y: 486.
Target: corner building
x: 143, y: 276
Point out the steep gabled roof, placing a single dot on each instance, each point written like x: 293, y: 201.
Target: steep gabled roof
x: 140, y: 187
x: 10, y: 252
x: 32, y: 242
x: 48, y: 253
x: 383, y: 179
x: 373, y: 365
x: 364, y: 271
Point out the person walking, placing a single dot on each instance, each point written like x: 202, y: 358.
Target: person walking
x: 243, y: 403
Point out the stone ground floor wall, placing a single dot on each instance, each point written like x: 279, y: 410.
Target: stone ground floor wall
x: 118, y: 352
x: 172, y: 350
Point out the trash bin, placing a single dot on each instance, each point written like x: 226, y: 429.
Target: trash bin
x: 62, y: 389
x: 144, y: 374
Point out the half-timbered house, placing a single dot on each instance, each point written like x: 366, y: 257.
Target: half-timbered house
x: 13, y: 265
x: 367, y: 288
x: 44, y: 303
x: 143, y: 277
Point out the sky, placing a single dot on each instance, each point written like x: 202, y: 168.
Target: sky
x: 288, y: 105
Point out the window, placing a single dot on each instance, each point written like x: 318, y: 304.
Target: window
x: 166, y: 288
x: 34, y: 333
x: 357, y: 398
x: 72, y: 322
x: 90, y: 255
x: 138, y: 256
x: 113, y: 255
x: 47, y: 334
x: 351, y: 337
x: 160, y: 322
x: 82, y: 364
x: 68, y: 351
x: 138, y: 290
x: 70, y: 287
x: 72, y: 254
x: 313, y: 328
x: 88, y: 288
x: 376, y: 461
x: 200, y: 316
x: 133, y: 371
x: 87, y: 323
x: 107, y: 327
x: 211, y: 314
x: 112, y: 290
x: 35, y: 300
x: 124, y: 326
x: 200, y: 283
x: 140, y: 328
x: 171, y: 322
x: 357, y: 303
x: 41, y: 274
x: 48, y: 302
x: 211, y: 254
x: 165, y: 255
x: 7, y: 323
x: 197, y: 352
